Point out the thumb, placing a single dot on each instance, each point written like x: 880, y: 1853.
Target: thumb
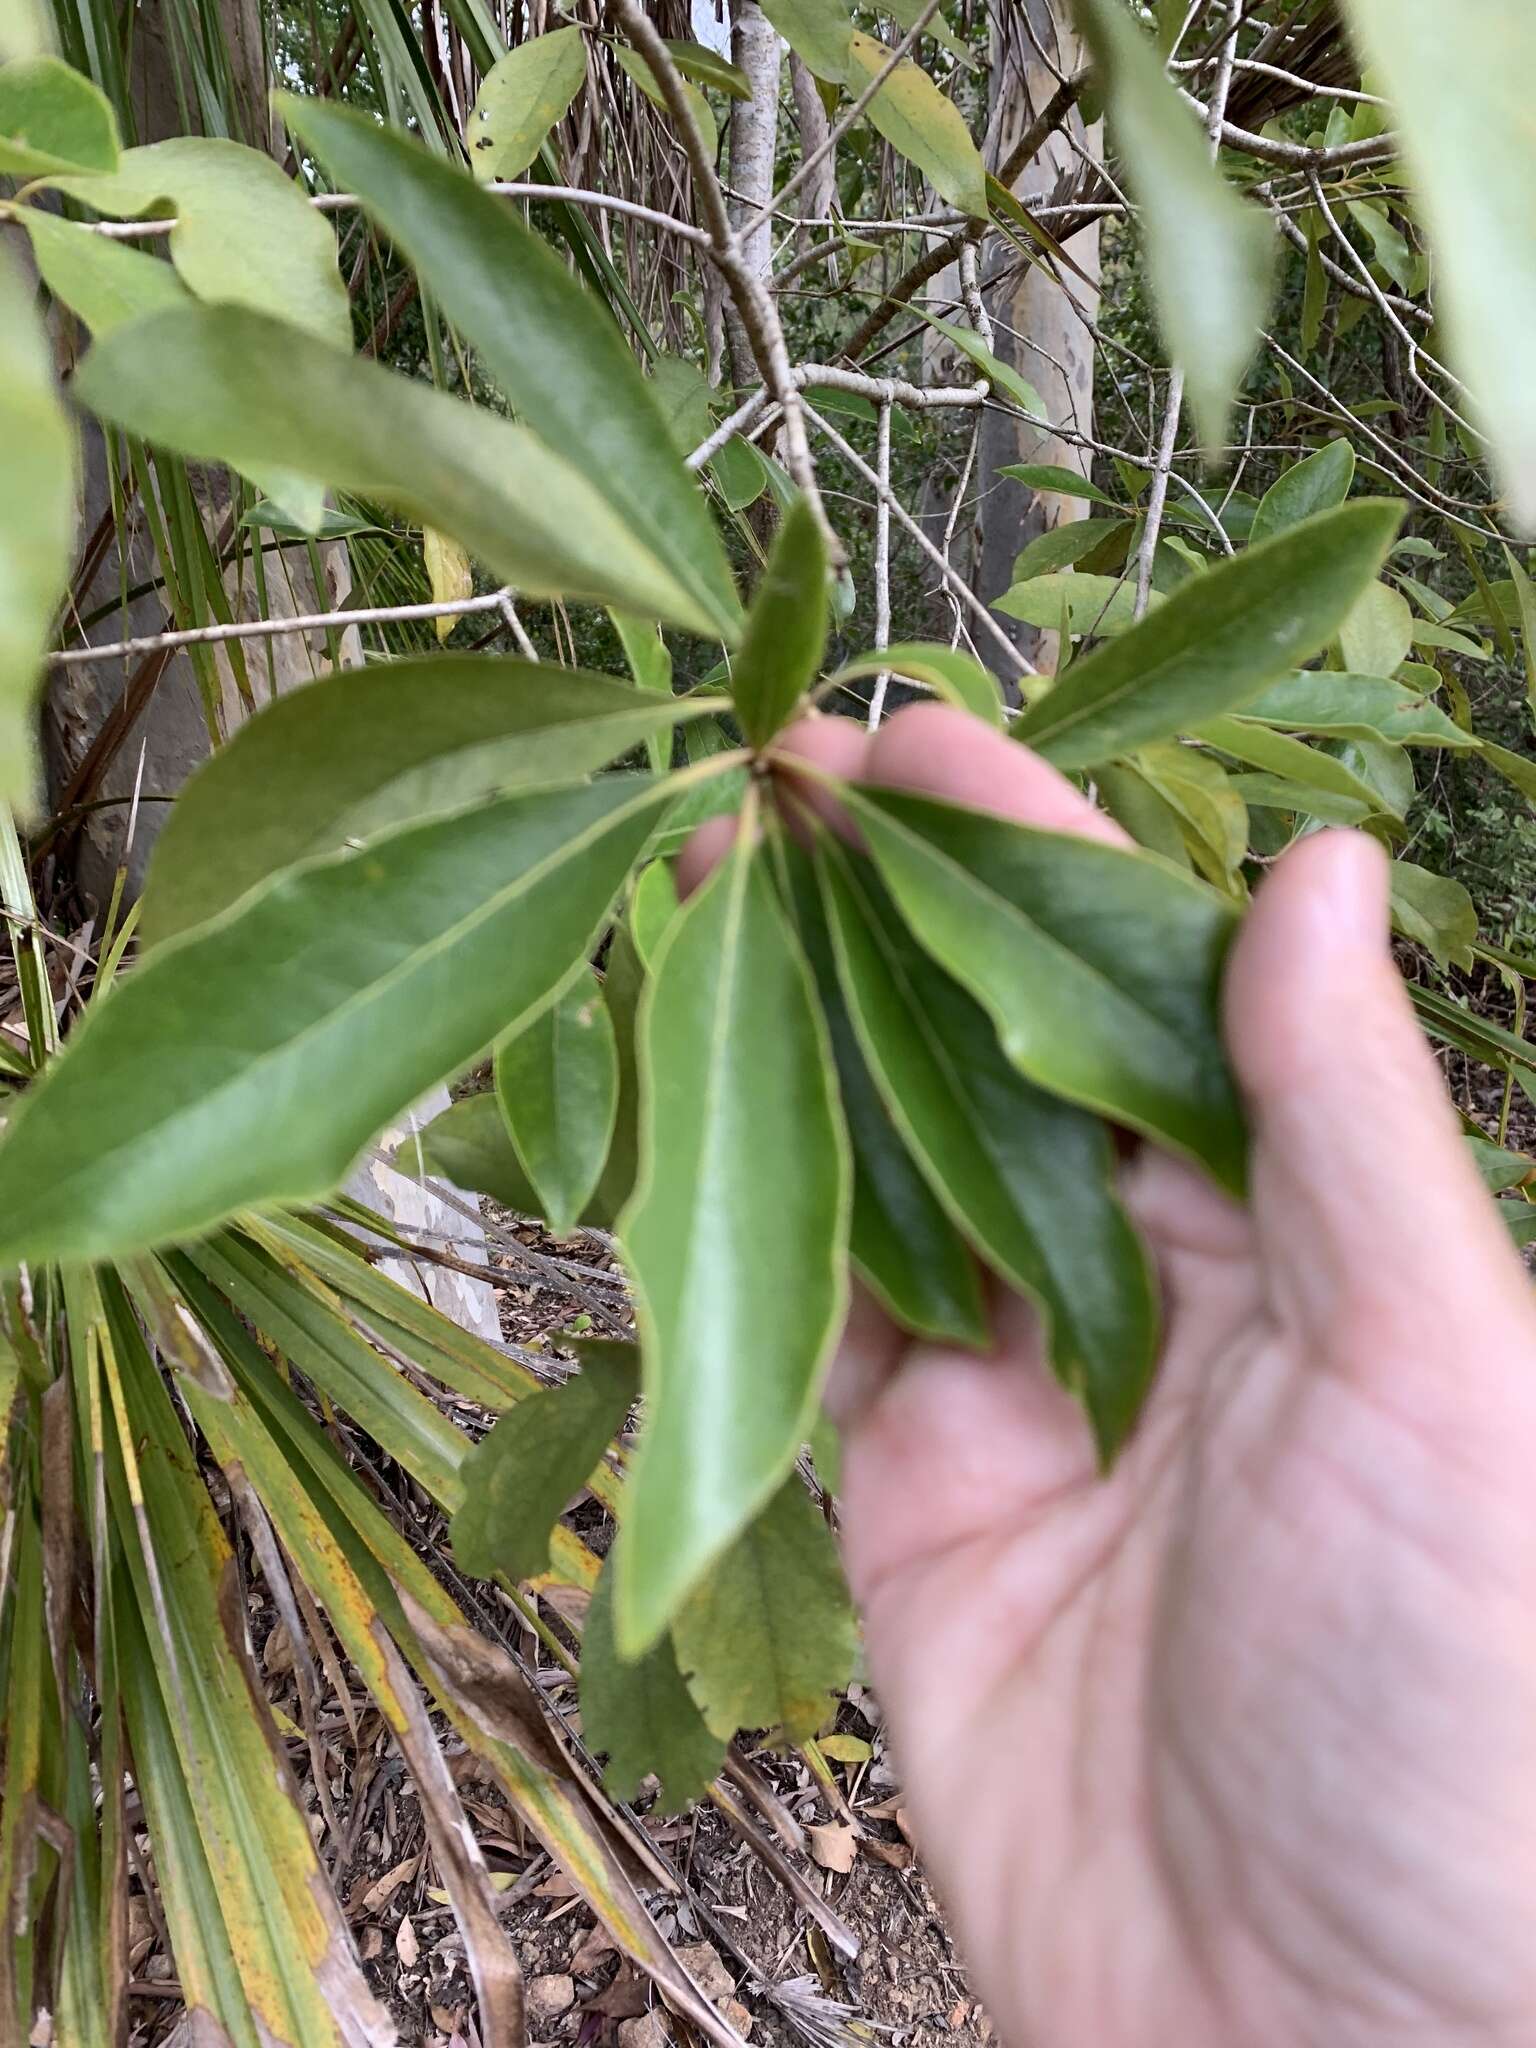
x: 1365, y: 1198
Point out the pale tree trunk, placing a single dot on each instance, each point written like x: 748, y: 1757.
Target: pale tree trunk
x: 818, y: 196
x: 1037, y: 326
x: 755, y: 50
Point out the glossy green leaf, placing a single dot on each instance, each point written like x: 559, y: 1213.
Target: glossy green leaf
x: 1101, y: 968
x: 708, y: 67
x: 245, y: 233
x: 469, y: 1145
x: 1060, y: 482
x: 900, y: 1236
x: 222, y: 384
x: 652, y: 908
x: 37, y: 525
x: 104, y: 282
x: 1519, y: 1217
x: 1277, y: 753
x: 52, y: 119
x: 1315, y: 484
x: 557, y: 1083
x: 957, y: 678
x: 1210, y: 253
x: 769, y: 1637
x: 820, y: 31
x: 547, y: 342
x: 1377, y: 633
x: 518, y: 1479
x: 919, y: 122
x: 786, y: 628
x: 698, y: 107
x: 1101, y: 606
x: 1264, y: 792
x: 740, y: 472
x: 1004, y: 379
x: 1212, y: 817
x: 1026, y: 1177
x: 1436, y: 911
x: 1217, y: 642
x: 367, y: 750
x: 641, y: 1715
x: 905, y: 14
x: 1338, y: 706
x: 1062, y: 547
x: 1525, y: 605
x: 162, y: 1115
x: 521, y: 98
x: 1462, y: 104
x: 735, y: 1238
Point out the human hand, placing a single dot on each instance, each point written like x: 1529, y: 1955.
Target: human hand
x: 1237, y: 1747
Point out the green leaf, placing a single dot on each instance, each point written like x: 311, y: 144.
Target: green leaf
x: 1279, y: 793
x: 1218, y: 641
x: 518, y: 1479
x: 1337, y: 706
x: 1497, y: 1168
x: 182, y: 1100
x: 641, y: 1715
x: 1062, y: 547
x: 37, y: 527
x: 468, y: 1144
x: 703, y: 116
x: 708, y: 67
x: 735, y: 1237
x: 1101, y: 968
x: 957, y: 678
x: 1463, y: 114
x: 1103, y: 606
x: 221, y: 384
x: 1003, y: 378
x: 740, y: 473
x: 786, y: 628
x: 557, y: 1083
x: 623, y: 982
x: 52, y: 119
x: 245, y: 233
x: 1210, y: 253
x: 547, y: 342
x: 1525, y: 601
x: 1026, y: 1177
x: 900, y: 1237
x: 1211, y: 814
x: 769, y: 1637
x: 102, y: 281
x: 1276, y: 753
x: 905, y: 14
x: 817, y: 30
x: 920, y: 123
x: 652, y: 908
x: 521, y: 98
x: 1436, y: 911
x: 366, y: 750
x: 1062, y: 482
x: 1315, y: 484
x: 1377, y: 633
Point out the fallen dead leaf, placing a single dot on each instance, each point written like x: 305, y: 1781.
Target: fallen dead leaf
x: 835, y: 1846
x: 596, y: 1943
x: 626, y: 1998
x: 550, y: 1996
x: 277, y: 1653
x: 649, y: 2031
x: 407, y: 1947
x: 735, y: 2014
x: 556, y: 1886
x: 383, y: 1889
x: 372, y: 1944
x: 897, y: 1854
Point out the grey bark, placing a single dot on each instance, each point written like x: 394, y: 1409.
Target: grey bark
x: 755, y: 49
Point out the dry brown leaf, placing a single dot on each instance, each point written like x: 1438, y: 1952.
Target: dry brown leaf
x: 625, y: 1998
x: 834, y: 1847
x: 372, y: 1944
x: 383, y: 1889
x: 407, y: 1947
x: 277, y: 1654
x: 556, y: 1886
x: 596, y: 1943
x: 734, y: 2011
x: 649, y: 2031
x: 896, y: 1854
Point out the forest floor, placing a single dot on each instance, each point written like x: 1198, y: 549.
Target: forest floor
x: 816, y: 1929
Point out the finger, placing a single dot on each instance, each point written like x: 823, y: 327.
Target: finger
x: 869, y: 1353
x: 941, y: 751
x: 1369, y: 1210
x: 702, y: 853
x: 837, y: 746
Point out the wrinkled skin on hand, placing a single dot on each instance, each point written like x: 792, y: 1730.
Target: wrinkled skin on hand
x: 1237, y: 1748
